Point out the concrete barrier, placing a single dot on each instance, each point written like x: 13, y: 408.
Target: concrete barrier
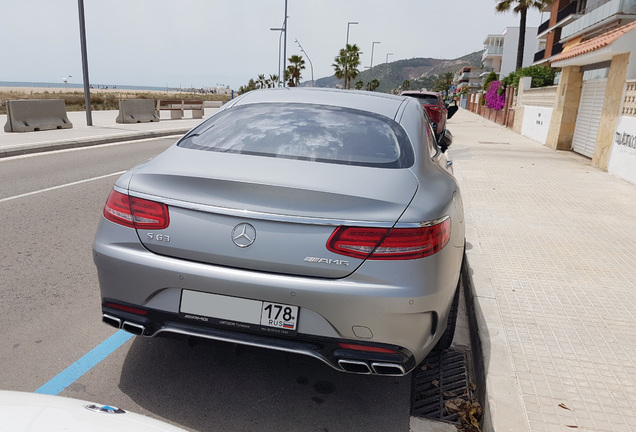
x: 36, y: 115
x: 176, y: 108
x: 137, y: 111
x: 212, y: 104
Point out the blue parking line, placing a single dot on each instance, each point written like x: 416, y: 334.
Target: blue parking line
x: 72, y: 373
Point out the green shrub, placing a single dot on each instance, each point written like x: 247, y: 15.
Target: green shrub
x: 492, y: 76
x: 541, y: 75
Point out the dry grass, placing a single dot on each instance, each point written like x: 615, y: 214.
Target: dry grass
x: 100, y: 99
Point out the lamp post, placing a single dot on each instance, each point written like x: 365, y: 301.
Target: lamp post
x: 281, y: 30
x: 387, y: 57
x: 285, y: 45
x: 87, y: 90
x: 347, y: 52
x: 372, y: 47
x: 310, y: 64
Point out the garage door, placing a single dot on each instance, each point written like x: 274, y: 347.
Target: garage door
x: 589, y: 116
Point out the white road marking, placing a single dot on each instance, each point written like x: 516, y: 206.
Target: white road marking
x: 59, y: 187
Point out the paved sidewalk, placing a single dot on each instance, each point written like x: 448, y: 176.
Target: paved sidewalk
x: 104, y: 130
x: 552, y: 252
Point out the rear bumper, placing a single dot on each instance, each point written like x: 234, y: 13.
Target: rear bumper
x: 158, y: 323
x: 403, y: 305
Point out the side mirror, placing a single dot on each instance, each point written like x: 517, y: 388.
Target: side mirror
x: 444, y: 140
x: 452, y: 110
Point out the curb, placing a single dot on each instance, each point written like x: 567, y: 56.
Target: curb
x: 497, y: 386
x: 20, y: 150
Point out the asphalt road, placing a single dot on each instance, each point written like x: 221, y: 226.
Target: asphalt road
x: 50, y: 317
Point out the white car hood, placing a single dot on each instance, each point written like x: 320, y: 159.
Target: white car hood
x: 31, y: 412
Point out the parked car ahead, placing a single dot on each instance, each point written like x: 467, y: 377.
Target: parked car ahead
x: 320, y: 222
x: 434, y: 105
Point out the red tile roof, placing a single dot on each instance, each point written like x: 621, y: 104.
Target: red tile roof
x: 602, y: 41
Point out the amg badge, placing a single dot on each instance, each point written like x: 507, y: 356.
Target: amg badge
x: 317, y: 260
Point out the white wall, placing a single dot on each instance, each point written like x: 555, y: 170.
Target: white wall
x: 536, y: 123
x: 623, y: 159
x: 511, y: 41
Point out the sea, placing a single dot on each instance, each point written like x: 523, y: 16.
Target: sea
x: 81, y: 86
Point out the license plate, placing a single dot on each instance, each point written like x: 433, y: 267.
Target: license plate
x: 279, y: 315
x: 237, y: 309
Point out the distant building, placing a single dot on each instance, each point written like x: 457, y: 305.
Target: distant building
x: 500, y: 50
x: 218, y: 90
x: 571, y: 22
x: 468, y: 77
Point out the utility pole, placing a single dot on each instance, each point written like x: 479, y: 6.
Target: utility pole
x: 87, y: 85
x: 285, y: 45
x: 346, y: 60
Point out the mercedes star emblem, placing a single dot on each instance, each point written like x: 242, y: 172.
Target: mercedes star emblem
x: 243, y: 235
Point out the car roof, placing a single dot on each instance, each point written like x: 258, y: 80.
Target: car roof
x: 379, y: 103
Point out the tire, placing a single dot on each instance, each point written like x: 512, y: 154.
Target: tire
x: 447, y: 337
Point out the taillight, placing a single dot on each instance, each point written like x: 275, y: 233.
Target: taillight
x: 390, y: 244
x: 136, y: 212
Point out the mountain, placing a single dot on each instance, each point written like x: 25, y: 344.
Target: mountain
x: 421, y: 72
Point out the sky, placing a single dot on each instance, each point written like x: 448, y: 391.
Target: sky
x: 205, y: 43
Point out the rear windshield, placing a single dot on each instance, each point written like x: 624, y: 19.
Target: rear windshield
x: 425, y: 99
x: 307, y: 132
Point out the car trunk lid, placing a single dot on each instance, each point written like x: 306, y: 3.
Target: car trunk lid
x: 263, y: 213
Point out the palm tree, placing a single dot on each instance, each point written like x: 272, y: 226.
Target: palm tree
x: 261, y: 81
x: 293, y: 72
x: 349, y: 56
x: 273, y: 79
x: 521, y: 7
x: 373, y: 85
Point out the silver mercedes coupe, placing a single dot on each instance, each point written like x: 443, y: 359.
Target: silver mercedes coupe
x: 321, y: 222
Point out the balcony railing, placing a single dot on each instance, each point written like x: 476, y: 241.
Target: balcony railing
x: 491, y: 51
x: 561, y: 15
x: 597, y: 15
x: 557, y: 48
x: 566, y: 11
x: 539, y: 55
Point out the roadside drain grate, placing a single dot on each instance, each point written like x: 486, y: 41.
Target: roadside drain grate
x: 441, y: 376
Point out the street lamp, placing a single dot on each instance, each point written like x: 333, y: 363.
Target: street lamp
x: 372, y: 47
x: 285, y: 45
x: 87, y: 91
x: 310, y: 64
x: 347, y: 52
x: 387, y: 57
x: 281, y: 30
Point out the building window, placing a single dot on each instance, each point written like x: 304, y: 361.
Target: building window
x: 595, y: 74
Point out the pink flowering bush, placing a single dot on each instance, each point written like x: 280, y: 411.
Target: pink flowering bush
x: 494, y: 100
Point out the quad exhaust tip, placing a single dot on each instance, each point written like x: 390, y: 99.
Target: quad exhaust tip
x: 111, y: 320
x: 130, y: 327
x: 134, y: 328
x: 361, y: 367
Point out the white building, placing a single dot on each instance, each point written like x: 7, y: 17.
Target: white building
x: 500, y: 50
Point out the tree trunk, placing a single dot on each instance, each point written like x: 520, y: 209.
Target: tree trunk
x: 522, y: 37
